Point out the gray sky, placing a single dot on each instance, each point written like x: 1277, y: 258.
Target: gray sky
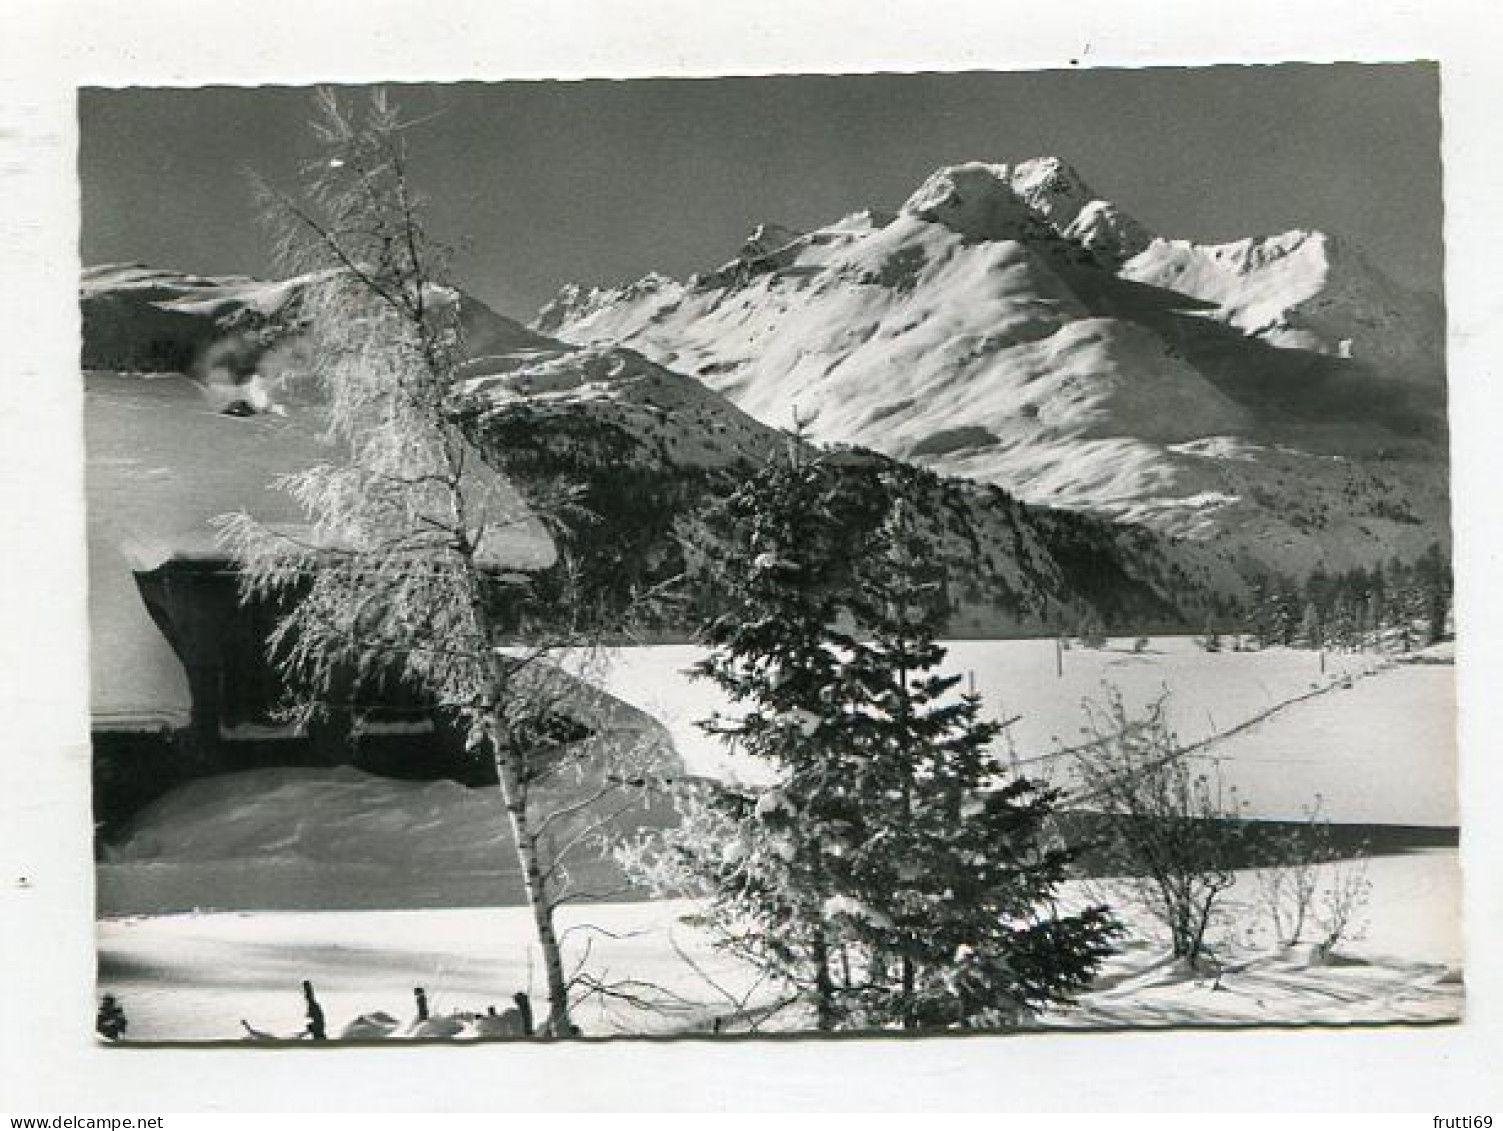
x: 601, y: 181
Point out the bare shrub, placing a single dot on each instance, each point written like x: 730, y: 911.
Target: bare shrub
x: 1288, y: 881
x: 1342, y: 900
x: 1170, y: 831
x: 1306, y: 885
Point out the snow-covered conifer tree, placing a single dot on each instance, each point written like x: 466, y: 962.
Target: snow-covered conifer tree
x: 895, y: 874
x: 776, y: 552
x: 951, y: 878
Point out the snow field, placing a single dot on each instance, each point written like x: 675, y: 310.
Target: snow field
x: 1374, y: 739
x: 194, y: 977
x: 1401, y: 963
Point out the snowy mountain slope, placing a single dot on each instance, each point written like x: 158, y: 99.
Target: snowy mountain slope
x: 1304, y: 290
x: 1011, y: 569
x: 650, y: 445
x: 137, y: 317
x: 662, y: 416
x: 1277, y: 398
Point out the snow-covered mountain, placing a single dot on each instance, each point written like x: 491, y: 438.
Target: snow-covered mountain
x: 650, y: 445
x: 1278, y: 398
x: 140, y: 318
x: 1305, y: 290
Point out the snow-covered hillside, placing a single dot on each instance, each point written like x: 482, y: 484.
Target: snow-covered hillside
x: 1305, y: 290
x: 1279, y: 397
x: 649, y: 444
x: 137, y: 317
x: 655, y: 416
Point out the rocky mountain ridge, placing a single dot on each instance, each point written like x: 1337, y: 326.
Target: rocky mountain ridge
x: 1277, y: 399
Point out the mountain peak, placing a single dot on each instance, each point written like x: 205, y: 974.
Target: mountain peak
x: 1052, y: 188
x: 1105, y: 229
x: 1037, y: 197
x: 767, y: 238
x: 1013, y: 327
x: 976, y: 200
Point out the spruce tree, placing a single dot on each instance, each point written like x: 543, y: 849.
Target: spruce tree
x: 895, y: 874
x: 949, y: 882
x: 761, y: 858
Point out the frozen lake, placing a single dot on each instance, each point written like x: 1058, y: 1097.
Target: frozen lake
x: 1372, y: 740
x: 1375, y: 740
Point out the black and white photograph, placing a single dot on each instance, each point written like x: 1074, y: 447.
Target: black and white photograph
x: 783, y: 555
x: 909, y: 553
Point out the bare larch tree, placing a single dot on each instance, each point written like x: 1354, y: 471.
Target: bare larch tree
x: 414, y: 563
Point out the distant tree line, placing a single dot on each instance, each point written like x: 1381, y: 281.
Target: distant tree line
x: 1357, y: 607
